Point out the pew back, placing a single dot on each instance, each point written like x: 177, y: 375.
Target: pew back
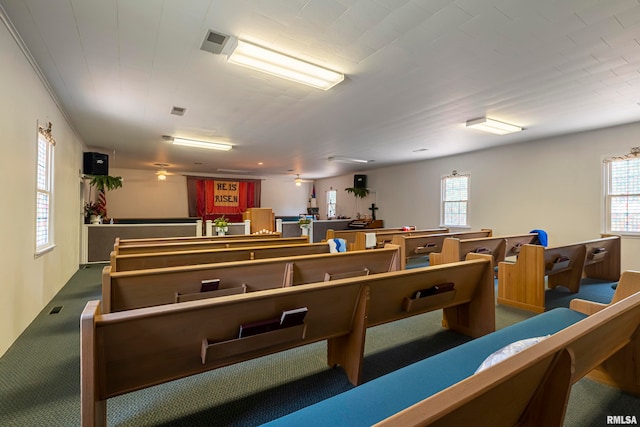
x: 127, y: 290
x: 208, y: 244
x: 174, y: 259
x: 454, y: 249
x: 160, y: 240
x: 469, y: 306
x: 384, y: 237
x: 350, y: 235
x: 127, y: 351
x: 522, y: 284
x: 420, y: 246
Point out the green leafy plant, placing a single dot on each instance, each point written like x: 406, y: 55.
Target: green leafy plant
x: 221, y: 222
x: 359, y: 193
x: 105, y: 182
x: 304, y: 221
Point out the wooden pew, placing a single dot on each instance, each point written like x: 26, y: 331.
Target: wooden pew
x: 522, y: 284
x: 125, y: 351
x: 350, y: 235
x: 212, y: 244
x: 455, y: 249
x: 384, y: 237
x: 160, y: 240
x: 174, y: 259
x: 421, y: 246
x: 530, y: 388
x: 128, y: 290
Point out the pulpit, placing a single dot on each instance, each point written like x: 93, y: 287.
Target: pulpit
x: 261, y: 219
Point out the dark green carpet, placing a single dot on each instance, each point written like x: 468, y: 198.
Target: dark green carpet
x: 39, y: 374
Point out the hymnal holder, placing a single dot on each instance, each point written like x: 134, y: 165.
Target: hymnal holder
x: 212, y: 352
x: 211, y: 294
x: 429, y: 247
x: 346, y: 275
x: 597, y: 254
x: 560, y: 263
x: 433, y: 297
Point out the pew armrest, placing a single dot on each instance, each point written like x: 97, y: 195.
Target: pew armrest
x: 586, y: 307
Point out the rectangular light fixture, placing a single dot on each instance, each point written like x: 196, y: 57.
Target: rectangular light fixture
x: 284, y: 66
x: 343, y: 159
x: 202, y: 144
x: 486, y: 124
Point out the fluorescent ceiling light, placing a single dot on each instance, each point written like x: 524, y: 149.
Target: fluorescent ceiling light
x: 493, y: 126
x: 232, y: 170
x: 342, y: 159
x: 202, y: 144
x: 284, y: 66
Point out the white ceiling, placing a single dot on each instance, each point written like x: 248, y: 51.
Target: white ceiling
x: 416, y: 71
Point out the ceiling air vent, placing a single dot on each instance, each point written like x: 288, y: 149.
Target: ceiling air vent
x: 214, y: 42
x: 178, y: 111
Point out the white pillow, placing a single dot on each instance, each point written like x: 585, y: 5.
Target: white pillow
x: 508, y: 351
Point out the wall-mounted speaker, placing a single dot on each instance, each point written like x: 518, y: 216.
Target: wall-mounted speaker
x: 95, y: 164
x: 360, y: 181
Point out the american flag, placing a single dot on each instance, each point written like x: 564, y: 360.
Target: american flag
x: 102, y: 202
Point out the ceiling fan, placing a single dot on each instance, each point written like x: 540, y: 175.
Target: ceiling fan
x: 299, y: 180
x: 162, y: 173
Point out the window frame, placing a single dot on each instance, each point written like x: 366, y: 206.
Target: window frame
x: 609, y: 195
x: 444, y: 201
x: 334, y: 204
x: 44, y: 187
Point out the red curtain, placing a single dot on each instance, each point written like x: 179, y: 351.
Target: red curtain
x: 216, y: 197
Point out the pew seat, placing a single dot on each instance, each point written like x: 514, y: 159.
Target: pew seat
x: 530, y: 388
x: 389, y: 394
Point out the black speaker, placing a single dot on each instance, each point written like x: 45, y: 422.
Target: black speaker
x: 95, y: 164
x: 360, y: 181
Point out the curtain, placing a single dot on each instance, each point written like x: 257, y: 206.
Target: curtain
x: 210, y: 198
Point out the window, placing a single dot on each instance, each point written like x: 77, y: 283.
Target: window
x: 455, y: 197
x: 331, y: 203
x: 622, y: 193
x: 44, y: 190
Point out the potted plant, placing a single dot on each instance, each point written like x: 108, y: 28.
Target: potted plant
x: 101, y: 183
x: 305, y: 225
x: 105, y: 182
x: 222, y: 225
x: 359, y: 193
x: 94, y: 212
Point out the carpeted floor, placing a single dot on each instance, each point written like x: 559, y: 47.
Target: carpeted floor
x: 39, y: 374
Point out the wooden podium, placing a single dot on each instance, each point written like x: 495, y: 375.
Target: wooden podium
x: 261, y: 219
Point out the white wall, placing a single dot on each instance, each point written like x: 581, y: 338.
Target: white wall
x: 143, y: 196
x: 553, y: 184
x: 29, y: 283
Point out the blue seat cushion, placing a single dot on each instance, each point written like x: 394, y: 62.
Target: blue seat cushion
x: 382, y: 397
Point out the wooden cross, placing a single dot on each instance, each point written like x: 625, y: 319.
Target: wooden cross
x: 373, y: 210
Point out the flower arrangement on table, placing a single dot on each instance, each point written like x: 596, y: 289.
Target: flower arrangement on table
x: 94, y: 209
x: 304, y: 222
x: 221, y: 224
x: 305, y: 225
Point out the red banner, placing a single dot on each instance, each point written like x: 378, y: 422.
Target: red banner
x: 215, y: 198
